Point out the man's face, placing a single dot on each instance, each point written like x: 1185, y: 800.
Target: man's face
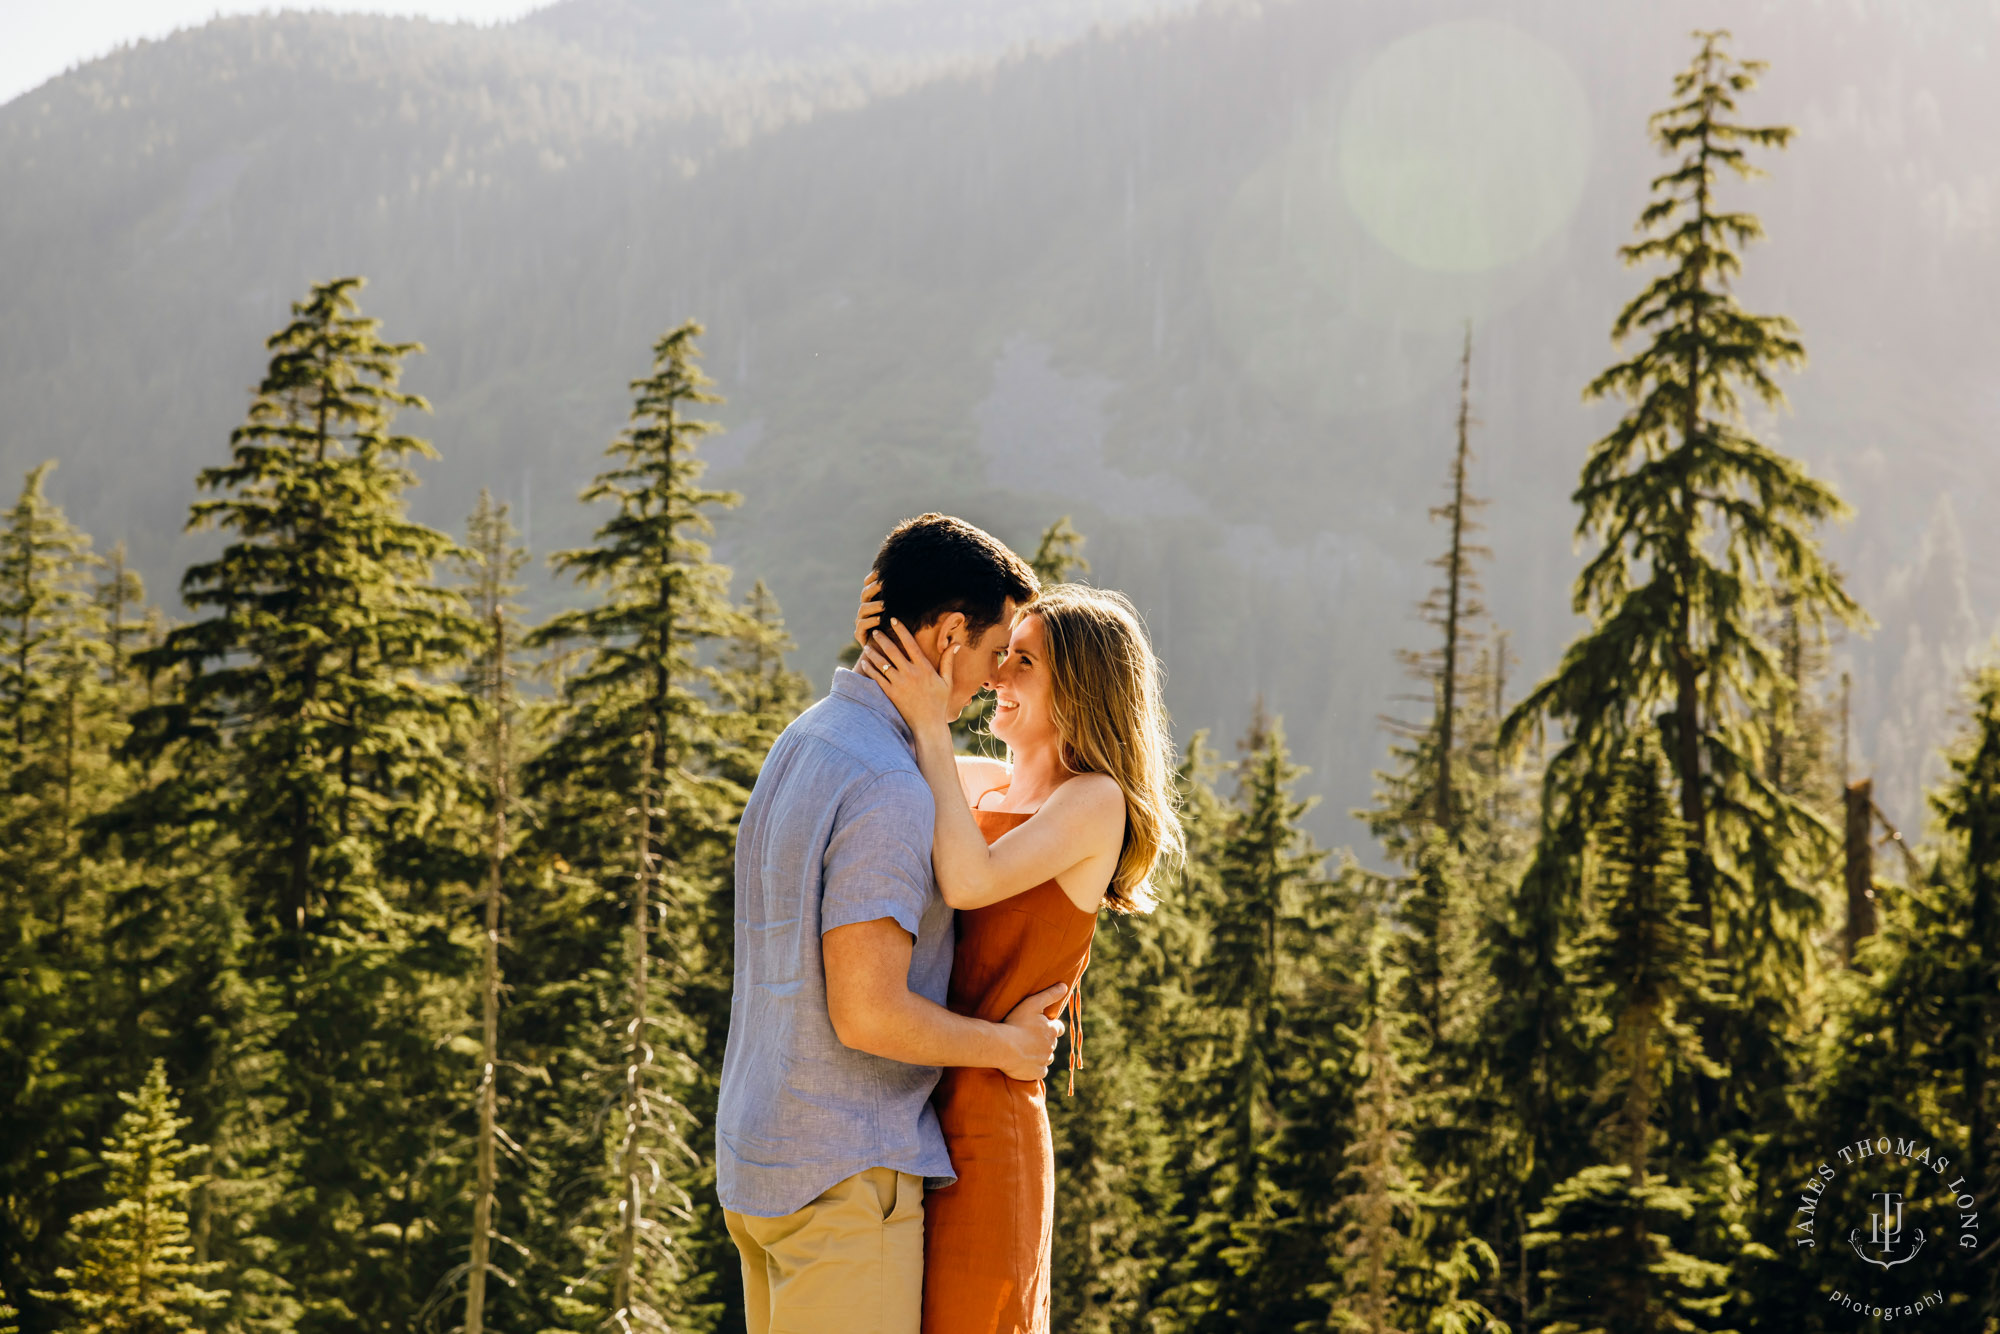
x: 974, y: 668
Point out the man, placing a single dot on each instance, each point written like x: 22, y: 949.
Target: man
x: 825, y: 1136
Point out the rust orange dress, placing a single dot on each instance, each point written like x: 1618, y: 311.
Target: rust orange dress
x: 987, y: 1237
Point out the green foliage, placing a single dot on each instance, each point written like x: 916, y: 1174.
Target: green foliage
x: 46, y: 610
x: 324, y: 624
x: 1059, y: 553
x: 1426, y: 787
x: 639, y: 785
x: 1641, y: 964
x: 660, y: 597
x: 1918, y: 1043
x: 1395, y: 1267
x: 1251, y: 1216
x: 61, y: 719
x: 1702, y: 533
x: 134, y: 1272
x: 494, y: 564
x: 762, y: 693
x: 1454, y: 814
x: 303, y: 741
x: 1610, y: 1260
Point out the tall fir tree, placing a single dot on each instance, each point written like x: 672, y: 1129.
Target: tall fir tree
x: 61, y: 720
x: 311, y: 696
x: 636, y: 797
x: 493, y: 569
x: 55, y: 692
x: 135, y: 1272
x: 1702, y: 530
x: 1966, y: 1046
x: 1127, y: 1144
x: 1426, y: 788
x: 1452, y: 814
x: 1113, y: 1138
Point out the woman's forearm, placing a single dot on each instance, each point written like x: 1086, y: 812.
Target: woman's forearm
x: 958, y: 850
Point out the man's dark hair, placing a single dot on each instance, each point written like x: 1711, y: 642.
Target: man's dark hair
x: 933, y: 565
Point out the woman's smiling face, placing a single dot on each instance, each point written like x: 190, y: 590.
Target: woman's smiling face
x: 1022, y: 690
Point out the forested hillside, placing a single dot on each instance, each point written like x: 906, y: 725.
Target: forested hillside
x: 1142, y: 277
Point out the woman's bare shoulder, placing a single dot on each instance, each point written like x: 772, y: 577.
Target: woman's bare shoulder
x: 1092, y: 799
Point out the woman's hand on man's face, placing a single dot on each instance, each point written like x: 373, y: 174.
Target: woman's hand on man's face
x: 920, y: 692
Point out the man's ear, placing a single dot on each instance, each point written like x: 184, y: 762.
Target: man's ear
x: 950, y: 629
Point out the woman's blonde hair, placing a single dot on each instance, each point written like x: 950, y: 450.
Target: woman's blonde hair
x: 1110, y: 719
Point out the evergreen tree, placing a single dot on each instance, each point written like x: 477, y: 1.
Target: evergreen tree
x: 1059, y: 553
x: 60, y: 723
x: 134, y: 1272
x: 1394, y: 1268
x: 1116, y: 1138
x: 1967, y: 1043
x: 494, y: 567
x: 1610, y: 1262
x: 635, y: 790
x: 1250, y: 1250
x: 53, y: 691
x: 1918, y: 1043
x: 309, y: 697
x: 1642, y: 960
x: 1800, y: 760
x: 120, y: 592
x: 1608, y: 1233
x: 762, y: 693
x: 1453, y: 813
x: 1427, y: 787
x: 1702, y: 531
x: 1383, y: 1200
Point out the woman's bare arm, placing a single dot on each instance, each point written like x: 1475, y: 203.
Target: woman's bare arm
x: 1079, y: 829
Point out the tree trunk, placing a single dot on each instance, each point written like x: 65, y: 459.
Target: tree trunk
x: 482, y: 1206
x: 1448, y: 694
x: 638, y: 1053
x: 1860, y: 800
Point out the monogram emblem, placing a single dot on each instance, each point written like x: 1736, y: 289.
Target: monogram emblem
x: 1885, y: 1233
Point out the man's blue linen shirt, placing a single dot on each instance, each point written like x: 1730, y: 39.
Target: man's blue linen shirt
x: 837, y: 831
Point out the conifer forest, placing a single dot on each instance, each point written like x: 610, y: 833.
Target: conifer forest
x: 366, y: 871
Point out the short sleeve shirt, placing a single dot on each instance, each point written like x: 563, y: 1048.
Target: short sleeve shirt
x: 837, y: 831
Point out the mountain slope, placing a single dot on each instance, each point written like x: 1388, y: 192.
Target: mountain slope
x: 1172, y: 278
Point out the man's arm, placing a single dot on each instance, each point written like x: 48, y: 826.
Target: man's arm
x: 869, y: 1000
x: 876, y: 886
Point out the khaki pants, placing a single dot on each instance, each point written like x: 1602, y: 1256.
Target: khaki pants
x: 851, y: 1262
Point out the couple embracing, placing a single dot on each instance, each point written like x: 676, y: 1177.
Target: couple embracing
x: 910, y: 925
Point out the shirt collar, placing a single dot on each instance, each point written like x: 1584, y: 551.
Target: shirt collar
x: 853, y: 685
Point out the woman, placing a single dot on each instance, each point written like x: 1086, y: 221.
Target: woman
x: 1028, y: 852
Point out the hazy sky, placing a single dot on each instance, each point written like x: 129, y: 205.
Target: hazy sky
x: 39, y: 39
